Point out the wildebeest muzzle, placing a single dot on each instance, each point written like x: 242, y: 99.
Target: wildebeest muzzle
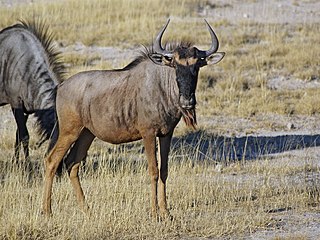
x: 188, y: 103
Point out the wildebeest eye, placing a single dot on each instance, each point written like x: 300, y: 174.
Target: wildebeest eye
x: 168, y: 58
x: 202, y: 58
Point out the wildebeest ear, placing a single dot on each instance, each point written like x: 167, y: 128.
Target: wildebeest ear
x: 215, y: 58
x: 161, y: 59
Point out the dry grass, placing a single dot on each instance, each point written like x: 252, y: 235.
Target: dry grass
x: 102, y: 22
x: 235, y: 200
x: 242, y: 198
x: 255, y: 55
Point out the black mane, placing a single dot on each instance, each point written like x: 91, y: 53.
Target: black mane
x: 41, y: 31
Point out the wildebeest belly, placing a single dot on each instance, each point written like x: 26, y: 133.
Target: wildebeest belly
x: 116, y: 136
x: 111, y: 126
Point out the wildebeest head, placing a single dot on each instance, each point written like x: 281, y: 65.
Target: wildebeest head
x: 186, y: 60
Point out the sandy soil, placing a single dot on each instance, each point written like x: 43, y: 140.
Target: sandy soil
x: 263, y: 11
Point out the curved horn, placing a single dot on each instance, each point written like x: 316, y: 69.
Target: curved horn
x: 215, y: 43
x: 157, y: 42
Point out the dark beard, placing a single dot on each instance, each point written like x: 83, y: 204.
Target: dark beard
x: 189, y: 117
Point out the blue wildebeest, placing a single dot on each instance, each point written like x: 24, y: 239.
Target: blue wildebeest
x: 30, y: 70
x: 144, y: 100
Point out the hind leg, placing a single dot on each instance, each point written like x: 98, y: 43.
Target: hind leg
x: 77, y: 154
x: 67, y: 136
x: 22, y: 134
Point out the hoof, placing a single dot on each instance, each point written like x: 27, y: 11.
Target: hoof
x: 46, y: 213
x: 165, y: 216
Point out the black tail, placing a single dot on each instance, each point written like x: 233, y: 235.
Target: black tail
x: 47, y: 119
x: 48, y: 127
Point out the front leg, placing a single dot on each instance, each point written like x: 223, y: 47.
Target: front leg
x: 149, y: 141
x: 164, y: 148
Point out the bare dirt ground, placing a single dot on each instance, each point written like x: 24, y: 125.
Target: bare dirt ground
x: 263, y: 11
x: 303, y: 130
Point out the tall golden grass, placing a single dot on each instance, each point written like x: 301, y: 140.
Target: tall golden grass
x: 205, y: 201
x: 102, y: 22
x: 240, y: 199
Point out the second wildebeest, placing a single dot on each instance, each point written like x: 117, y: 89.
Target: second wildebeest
x: 30, y: 70
x: 145, y: 100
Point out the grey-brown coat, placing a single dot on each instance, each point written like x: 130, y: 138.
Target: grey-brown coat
x: 144, y: 100
x: 30, y: 70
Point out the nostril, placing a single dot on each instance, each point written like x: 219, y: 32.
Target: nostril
x: 192, y: 100
x: 188, y: 102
